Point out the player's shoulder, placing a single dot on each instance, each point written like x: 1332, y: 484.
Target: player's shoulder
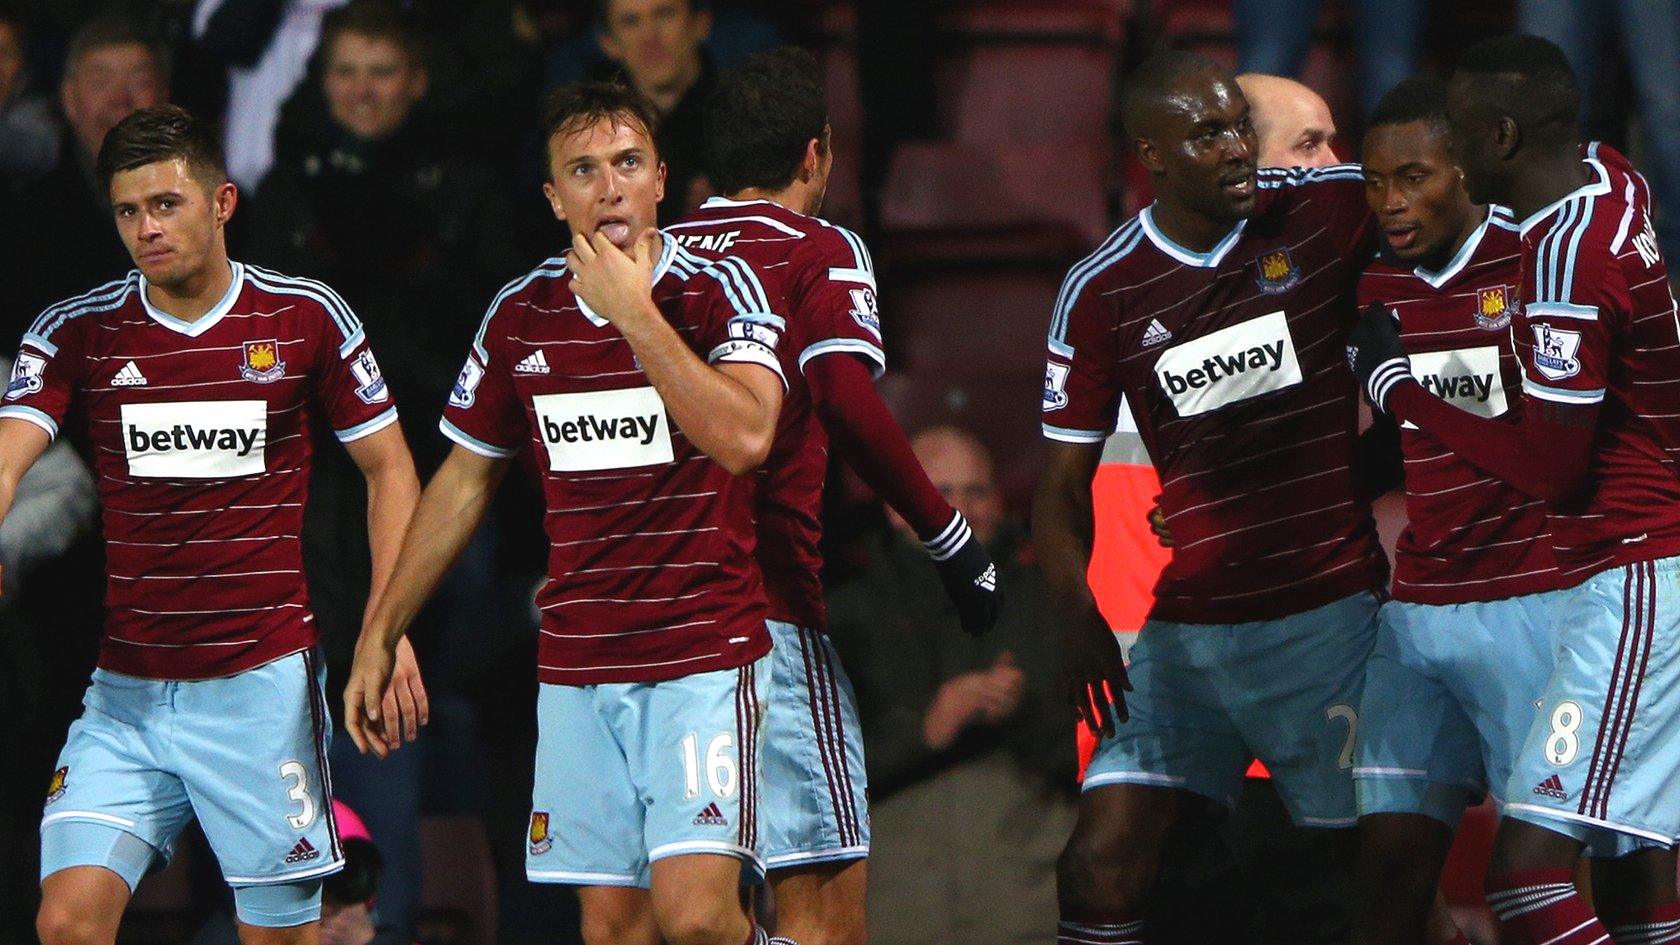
x: 1281, y: 184
x: 724, y: 279
x: 108, y: 297
x: 537, y: 287
x: 1115, y: 255
x: 312, y: 297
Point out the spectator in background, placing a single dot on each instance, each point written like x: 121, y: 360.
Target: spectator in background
x: 113, y: 68
x: 1293, y: 122
x: 28, y: 130
x: 658, y: 45
x: 1274, y: 36
x: 971, y: 761
x: 1648, y: 32
x: 266, y: 45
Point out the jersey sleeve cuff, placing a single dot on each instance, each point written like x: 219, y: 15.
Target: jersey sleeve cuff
x: 32, y: 415
x: 351, y: 434
x: 40, y: 344
x: 745, y: 351
x: 1070, y: 435
x: 473, y: 443
x: 872, y: 353
x: 1559, y: 395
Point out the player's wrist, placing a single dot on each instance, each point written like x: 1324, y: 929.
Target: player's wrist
x: 951, y: 539
x: 1388, y: 375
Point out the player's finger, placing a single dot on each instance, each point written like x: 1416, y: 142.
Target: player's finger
x: 353, y: 717
x: 1105, y: 710
x: 410, y: 712
x: 582, y: 249
x: 392, y: 710
x: 422, y: 702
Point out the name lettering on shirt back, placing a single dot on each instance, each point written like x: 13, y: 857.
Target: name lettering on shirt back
x: 609, y: 429
x: 1467, y: 378
x: 1230, y: 365
x: 216, y: 439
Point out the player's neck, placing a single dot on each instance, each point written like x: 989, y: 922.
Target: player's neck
x: 1545, y: 180
x: 1188, y: 228
x: 1438, y: 260
x: 193, y: 297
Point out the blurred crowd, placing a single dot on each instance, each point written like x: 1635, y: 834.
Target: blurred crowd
x: 389, y: 150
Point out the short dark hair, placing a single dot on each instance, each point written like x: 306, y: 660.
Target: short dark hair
x: 373, y: 19
x: 114, y: 30
x: 1154, y: 79
x: 760, y: 117
x: 604, y: 7
x: 162, y: 133
x: 1525, y: 78
x: 582, y: 104
x: 1419, y: 98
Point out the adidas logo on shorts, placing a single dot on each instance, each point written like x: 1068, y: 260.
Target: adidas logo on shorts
x: 1552, y: 787
x: 711, y: 817
x: 303, y: 851
x: 534, y: 363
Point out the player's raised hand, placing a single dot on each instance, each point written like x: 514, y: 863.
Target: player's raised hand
x: 1375, y: 354
x: 1095, y: 672
x: 969, y: 576
x: 617, y: 285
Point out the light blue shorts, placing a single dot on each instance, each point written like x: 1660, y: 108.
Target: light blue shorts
x: 1602, y: 758
x: 1207, y: 698
x: 816, y: 808
x: 245, y: 754
x: 630, y: 773
x: 1449, y: 699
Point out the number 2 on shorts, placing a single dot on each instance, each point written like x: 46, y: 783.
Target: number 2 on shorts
x: 720, y: 765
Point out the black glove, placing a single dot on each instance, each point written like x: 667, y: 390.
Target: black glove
x: 1375, y: 354
x: 969, y: 576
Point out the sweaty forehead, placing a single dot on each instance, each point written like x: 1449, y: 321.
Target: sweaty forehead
x: 1198, y: 97
x: 601, y: 139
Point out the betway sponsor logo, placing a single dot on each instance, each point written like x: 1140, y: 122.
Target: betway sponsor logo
x: 609, y: 429
x: 214, y: 439
x: 1230, y: 365
x: 1467, y: 378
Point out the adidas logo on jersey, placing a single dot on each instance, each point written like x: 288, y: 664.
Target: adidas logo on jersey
x: 711, y: 817
x: 534, y: 363
x: 1552, y: 787
x: 303, y: 851
x: 1156, y: 334
x: 128, y: 376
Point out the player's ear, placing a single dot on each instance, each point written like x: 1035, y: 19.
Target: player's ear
x: 1507, y: 136
x: 659, y: 188
x: 554, y: 201
x: 1148, y: 155
x: 226, y: 198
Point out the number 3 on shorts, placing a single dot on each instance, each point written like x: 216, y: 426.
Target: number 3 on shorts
x: 720, y: 765
x: 1562, y: 744
x: 299, y: 792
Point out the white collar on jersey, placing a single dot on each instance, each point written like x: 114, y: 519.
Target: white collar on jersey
x: 1496, y: 216
x: 715, y: 203
x: 667, y: 253
x: 206, y: 321
x: 1596, y: 188
x: 1189, y: 257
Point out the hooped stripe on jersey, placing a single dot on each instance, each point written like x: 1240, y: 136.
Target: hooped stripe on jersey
x: 1119, y: 243
x: 103, y: 299
x: 551, y: 268
x: 348, y: 324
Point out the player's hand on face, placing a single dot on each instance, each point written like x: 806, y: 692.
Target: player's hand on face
x: 1095, y: 672
x: 364, y: 696
x: 615, y: 284
x: 1158, y: 525
x: 1375, y: 354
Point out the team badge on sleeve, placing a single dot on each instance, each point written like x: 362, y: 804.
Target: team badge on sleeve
x: 55, y: 787
x: 540, y: 841
x: 1278, y: 272
x: 262, y: 362
x: 1055, y: 385
x: 370, y: 384
x: 26, y: 375
x: 466, y: 384
x: 1555, y: 350
x: 1493, y: 308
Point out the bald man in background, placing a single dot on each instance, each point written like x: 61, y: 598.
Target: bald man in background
x: 1292, y: 120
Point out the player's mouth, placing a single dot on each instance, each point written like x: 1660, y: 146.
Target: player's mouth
x: 1238, y: 186
x: 155, y: 255
x: 1402, y: 237
x: 615, y: 228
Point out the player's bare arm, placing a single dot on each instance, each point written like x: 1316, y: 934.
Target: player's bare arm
x: 393, y: 490
x: 1063, y: 533
x: 728, y: 411
x: 449, y: 511
x: 21, y: 444
x: 1546, y: 455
